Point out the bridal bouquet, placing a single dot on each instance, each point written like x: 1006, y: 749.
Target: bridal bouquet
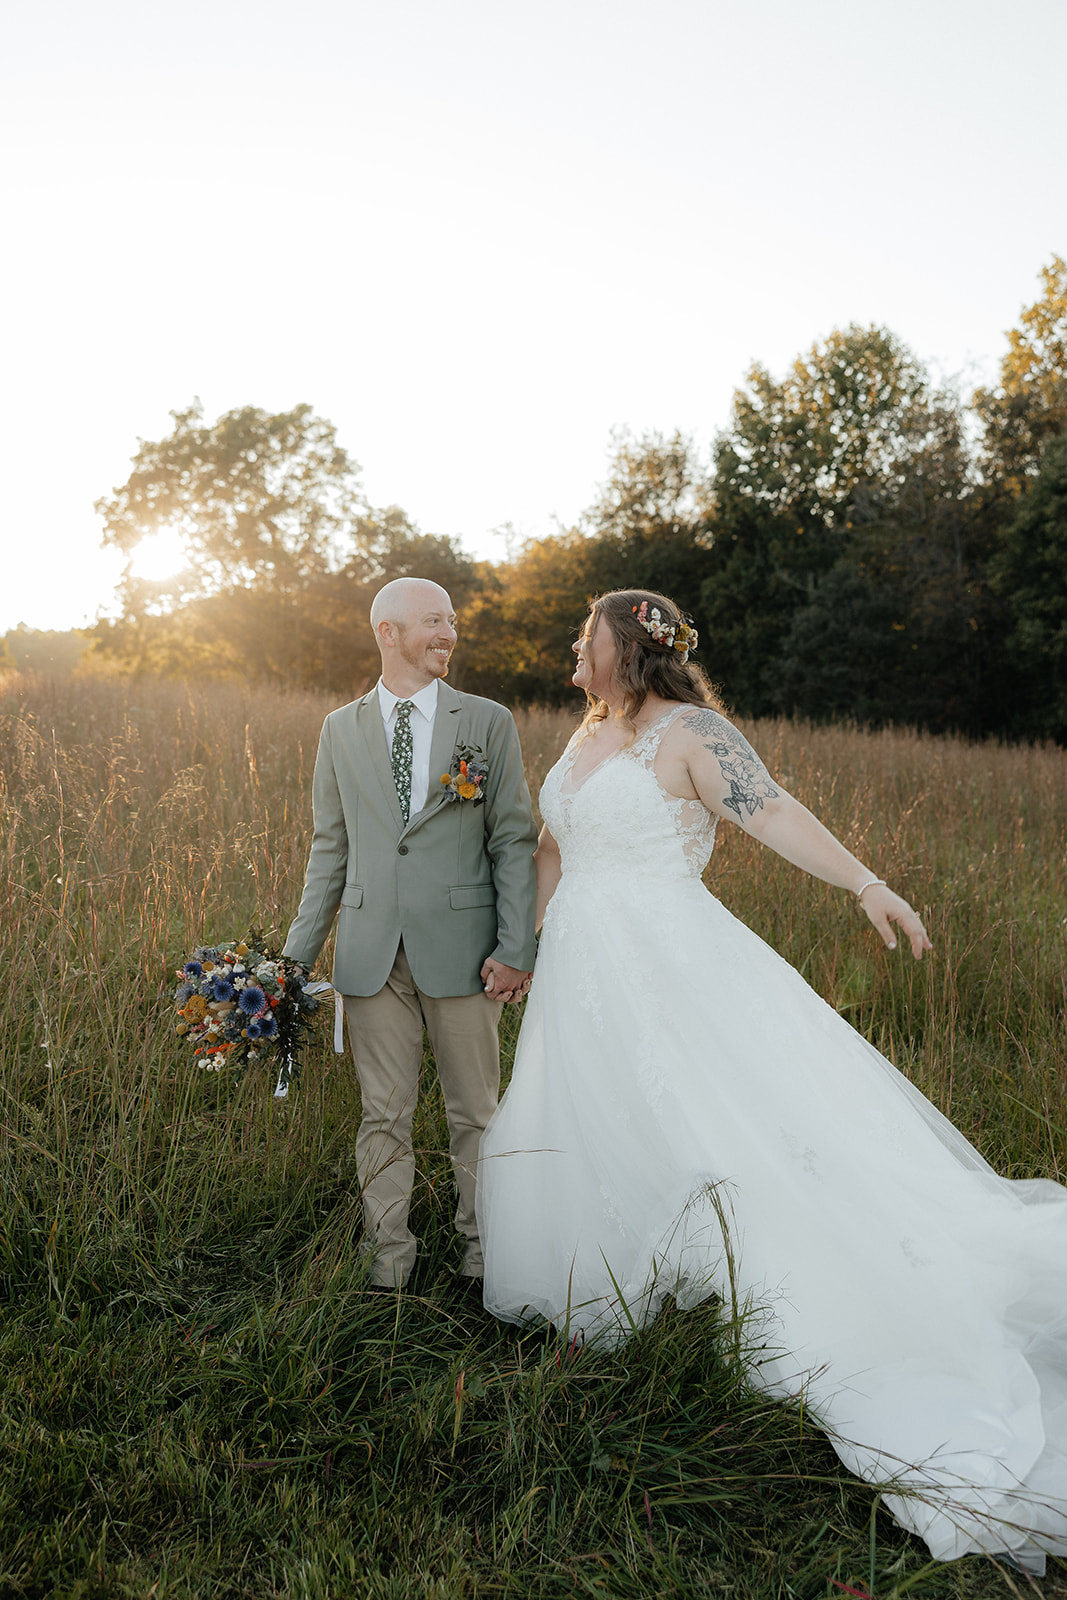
x: 238, y: 1002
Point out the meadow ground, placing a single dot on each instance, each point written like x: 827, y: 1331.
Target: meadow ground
x: 199, y: 1396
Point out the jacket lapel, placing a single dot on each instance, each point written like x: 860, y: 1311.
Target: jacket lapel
x: 374, y: 754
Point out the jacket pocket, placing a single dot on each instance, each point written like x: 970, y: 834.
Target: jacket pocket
x: 468, y: 897
x: 353, y: 895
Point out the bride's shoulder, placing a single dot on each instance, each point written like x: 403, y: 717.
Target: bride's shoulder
x: 698, y: 718
x: 684, y: 714
x: 700, y: 725
x: 708, y: 741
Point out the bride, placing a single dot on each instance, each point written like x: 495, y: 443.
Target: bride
x: 686, y: 1117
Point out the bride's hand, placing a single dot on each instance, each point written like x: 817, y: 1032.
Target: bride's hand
x: 884, y: 908
x: 504, y: 983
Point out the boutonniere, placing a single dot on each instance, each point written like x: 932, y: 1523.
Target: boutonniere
x: 466, y: 781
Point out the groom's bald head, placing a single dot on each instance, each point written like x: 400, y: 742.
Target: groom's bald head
x: 404, y: 600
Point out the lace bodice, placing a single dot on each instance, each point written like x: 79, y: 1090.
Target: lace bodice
x: 619, y: 818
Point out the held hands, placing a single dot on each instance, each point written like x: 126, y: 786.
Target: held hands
x: 884, y: 908
x: 504, y: 983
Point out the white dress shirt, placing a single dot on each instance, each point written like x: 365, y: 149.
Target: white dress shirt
x: 425, y: 704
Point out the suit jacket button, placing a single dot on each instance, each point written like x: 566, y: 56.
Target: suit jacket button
x: 401, y: 849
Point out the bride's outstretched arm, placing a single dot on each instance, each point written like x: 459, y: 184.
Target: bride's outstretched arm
x: 549, y: 872
x: 733, y: 782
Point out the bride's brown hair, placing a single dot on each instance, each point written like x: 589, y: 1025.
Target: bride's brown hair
x: 643, y: 666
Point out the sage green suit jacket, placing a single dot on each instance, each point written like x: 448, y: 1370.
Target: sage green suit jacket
x: 456, y: 882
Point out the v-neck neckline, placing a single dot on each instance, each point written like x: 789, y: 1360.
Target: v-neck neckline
x: 624, y: 749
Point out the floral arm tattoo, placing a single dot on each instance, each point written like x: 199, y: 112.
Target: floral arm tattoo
x: 750, y: 782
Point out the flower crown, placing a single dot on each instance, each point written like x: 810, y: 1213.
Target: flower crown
x: 680, y: 635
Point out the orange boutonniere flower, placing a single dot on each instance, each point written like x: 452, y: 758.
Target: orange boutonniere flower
x: 466, y: 781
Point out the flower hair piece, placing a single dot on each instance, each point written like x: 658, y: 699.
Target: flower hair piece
x: 681, y: 635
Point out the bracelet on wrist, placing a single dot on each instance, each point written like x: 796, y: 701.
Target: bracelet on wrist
x: 870, y: 885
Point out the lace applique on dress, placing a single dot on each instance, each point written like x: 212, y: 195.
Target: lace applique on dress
x: 693, y: 823
x: 608, y: 794
x: 589, y: 996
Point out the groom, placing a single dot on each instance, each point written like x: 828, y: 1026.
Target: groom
x: 436, y: 897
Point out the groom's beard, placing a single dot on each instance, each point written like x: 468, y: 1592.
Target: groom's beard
x: 426, y: 659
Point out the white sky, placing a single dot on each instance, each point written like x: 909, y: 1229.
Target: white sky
x: 478, y: 235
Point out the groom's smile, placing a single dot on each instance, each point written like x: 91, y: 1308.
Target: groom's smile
x: 428, y: 654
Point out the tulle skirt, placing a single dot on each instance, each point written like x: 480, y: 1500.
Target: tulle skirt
x: 687, y: 1117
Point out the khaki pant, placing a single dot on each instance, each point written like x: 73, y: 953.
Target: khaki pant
x: 385, y: 1033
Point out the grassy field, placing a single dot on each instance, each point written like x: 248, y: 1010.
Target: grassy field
x: 200, y: 1397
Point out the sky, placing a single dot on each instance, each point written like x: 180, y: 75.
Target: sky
x: 479, y: 236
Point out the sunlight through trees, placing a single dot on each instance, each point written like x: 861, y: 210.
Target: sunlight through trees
x: 863, y: 543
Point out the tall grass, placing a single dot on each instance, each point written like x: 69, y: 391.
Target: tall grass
x: 200, y: 1396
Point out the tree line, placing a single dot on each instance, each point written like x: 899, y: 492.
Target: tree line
x: 863, y: 542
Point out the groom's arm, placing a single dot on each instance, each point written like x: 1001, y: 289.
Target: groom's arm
x: 327, y: 866
x: 510, y: 838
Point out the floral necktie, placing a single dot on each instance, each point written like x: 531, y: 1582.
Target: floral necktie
x: 402, y: 755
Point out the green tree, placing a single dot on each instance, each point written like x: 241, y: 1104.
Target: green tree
x: 516, y: 636
x: 265, y: 506
x: 843, y: 522
x: 845, y: 426
x: 646, y: 528
x: 649, y: 526
x: 747, y: 601
x: 1029, y: 405
x: 1030, y: 574
x: 841, y: 655
x: 255, y: 498
x: 920, y: 545
x: 284, y: 553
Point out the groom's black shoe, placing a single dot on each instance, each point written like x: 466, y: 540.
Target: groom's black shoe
x: 370, y: 1287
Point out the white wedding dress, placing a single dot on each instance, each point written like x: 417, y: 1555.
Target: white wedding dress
x: 673, y: 1070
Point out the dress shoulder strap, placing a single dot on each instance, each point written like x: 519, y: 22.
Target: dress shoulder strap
x: 647, y: 743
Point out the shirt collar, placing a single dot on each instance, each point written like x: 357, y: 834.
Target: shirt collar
x: 425, y: 700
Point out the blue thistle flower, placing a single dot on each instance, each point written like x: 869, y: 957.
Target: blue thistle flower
x: 268, y: 1026
x: 193, y: 969
x: 252, y: 999
x: 254, y: 1030
x: 184, y: 992
x: 222, y: 989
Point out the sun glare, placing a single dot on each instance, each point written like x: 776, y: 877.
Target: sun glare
x: 159, y: 556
